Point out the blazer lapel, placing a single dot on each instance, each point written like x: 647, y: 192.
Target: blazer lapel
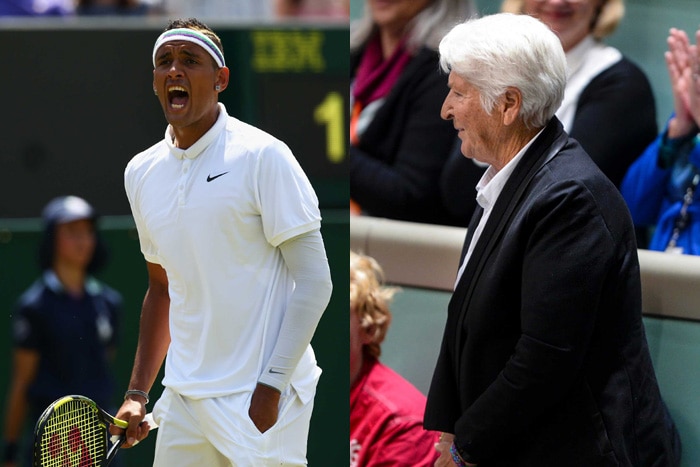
x: 457, y: 298
x: 473, y: 223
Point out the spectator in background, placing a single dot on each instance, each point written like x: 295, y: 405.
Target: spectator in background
x: 608, y: 103
x: 65, y: 325
x: 111, y: 7
x: 386, y: 411
x: 229, y: 9
x: 320, y: 9
x: 661, y: 186
x: 399, y: 144
x: 36, y: 7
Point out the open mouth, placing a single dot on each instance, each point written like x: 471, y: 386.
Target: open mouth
x: 178, y: 97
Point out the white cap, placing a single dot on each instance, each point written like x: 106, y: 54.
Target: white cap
x: 67, y: 209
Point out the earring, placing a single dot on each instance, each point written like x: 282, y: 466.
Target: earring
x: 155, y: 92
x: 218, y: 87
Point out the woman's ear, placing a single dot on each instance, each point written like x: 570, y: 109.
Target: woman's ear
x: 512, y: 102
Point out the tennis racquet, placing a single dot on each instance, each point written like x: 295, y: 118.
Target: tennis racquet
x: 73, y: 432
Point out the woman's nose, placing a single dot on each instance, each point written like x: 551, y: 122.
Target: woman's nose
x: 446, y: 110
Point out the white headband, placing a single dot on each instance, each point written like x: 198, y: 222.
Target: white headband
x: 190, y: 35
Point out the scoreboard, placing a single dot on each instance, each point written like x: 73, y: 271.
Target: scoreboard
x: 296, y: 87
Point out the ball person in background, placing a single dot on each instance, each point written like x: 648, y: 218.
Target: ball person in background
x: 238, y: 277
x: 64, y: 326
x: 544, y: 361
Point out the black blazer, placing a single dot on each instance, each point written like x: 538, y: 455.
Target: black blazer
x: 544, y: 361
x: 395, y: 169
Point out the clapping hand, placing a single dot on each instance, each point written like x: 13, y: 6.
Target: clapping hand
x: 683, y: 63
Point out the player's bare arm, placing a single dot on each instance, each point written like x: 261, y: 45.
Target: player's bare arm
x: 154, y: 339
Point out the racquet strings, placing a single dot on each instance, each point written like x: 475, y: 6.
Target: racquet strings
x: 73, y: 437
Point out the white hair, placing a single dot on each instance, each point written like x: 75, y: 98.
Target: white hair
x: 506, y: 50
x: 425, y: 30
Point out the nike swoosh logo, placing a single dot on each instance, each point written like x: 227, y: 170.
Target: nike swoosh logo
x: 210, y: 178
x: 275, y: 372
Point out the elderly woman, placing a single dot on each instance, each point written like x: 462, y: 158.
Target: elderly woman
x: 608, y: 104
x: 386, y: 411
x: 544, y: 361
x: 398, y: 142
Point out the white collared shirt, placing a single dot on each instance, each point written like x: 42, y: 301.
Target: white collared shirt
x: 488, y: 190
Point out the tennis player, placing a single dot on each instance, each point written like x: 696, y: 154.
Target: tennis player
x: 229, y: 226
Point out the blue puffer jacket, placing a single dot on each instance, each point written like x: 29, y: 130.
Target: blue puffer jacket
x: 654, y: 188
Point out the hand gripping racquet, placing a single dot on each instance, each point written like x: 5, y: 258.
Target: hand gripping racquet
x: 73, y: 432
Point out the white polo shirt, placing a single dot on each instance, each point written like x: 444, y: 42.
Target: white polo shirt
x: 212, y: 216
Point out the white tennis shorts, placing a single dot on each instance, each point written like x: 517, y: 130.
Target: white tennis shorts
x: 217, y: 432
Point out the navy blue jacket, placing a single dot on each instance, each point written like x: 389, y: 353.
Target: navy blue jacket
x: 73, y: 337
